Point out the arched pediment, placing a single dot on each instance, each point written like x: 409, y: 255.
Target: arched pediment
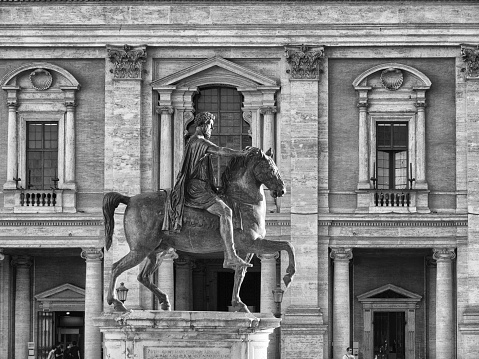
x: 422, y: 78
x: 215, y: 70
x: 6, y: 80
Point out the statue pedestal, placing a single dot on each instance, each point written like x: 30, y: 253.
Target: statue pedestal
x: 150, y: 334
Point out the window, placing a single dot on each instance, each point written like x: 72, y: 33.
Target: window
x: 392, y: 155
x: 42, y: 155
x: 230, y: 130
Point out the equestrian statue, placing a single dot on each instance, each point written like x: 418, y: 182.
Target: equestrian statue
x: 197, y: 217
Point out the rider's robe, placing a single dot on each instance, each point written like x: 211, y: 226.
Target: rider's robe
x: 195, y: 183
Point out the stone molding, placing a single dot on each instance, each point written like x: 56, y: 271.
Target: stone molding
x: 444, y: 254
x: 394, y: 223
x: 55, y: 223
x: 341, y: 254
x: 304, y: 61
x: 470, y: 56
x: 128, y: 61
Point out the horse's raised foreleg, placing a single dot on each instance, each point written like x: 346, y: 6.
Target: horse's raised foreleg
x: 153, y: 261
x: 268, y: 246
x: 132, y: 259
x: 240, y: 272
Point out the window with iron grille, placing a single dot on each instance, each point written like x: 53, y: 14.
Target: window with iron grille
x: 392, y: 155
x: 42, y: 154
x: 230, y: 130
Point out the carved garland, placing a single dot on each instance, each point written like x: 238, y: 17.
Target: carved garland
x: 304, y: 63
x: 470, y: 56
x: 128, y: 62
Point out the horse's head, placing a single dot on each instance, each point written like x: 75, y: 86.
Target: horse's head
x: 266, y: 172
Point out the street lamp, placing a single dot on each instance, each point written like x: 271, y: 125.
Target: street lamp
x: 122, y: 292
x: 278, y: 298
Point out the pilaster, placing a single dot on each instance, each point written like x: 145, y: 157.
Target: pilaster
x: 304, y: 73
x: 468, y: 317
x: 23, y: 311
x: 268, y: 282
x: 183, y: 297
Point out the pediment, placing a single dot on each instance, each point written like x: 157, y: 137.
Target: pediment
x: 389, y: 292
x: 61, y: 293
x: 215, y: 70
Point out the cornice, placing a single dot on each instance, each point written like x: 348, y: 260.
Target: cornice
x: 389, y: 223
x: 49, y: 223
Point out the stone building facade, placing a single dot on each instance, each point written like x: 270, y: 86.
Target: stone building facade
x: 371, y: 108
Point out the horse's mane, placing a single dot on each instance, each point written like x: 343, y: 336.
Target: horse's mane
x: 238, y: 162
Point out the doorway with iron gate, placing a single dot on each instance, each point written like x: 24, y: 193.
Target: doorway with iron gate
x: 389, y: 335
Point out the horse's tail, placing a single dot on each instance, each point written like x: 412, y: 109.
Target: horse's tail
x: 111, y: 200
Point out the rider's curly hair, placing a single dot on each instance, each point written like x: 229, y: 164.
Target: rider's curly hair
x: 203, y: 117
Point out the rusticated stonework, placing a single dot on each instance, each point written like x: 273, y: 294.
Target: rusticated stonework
x: 304, y: 61
x: 470, y: 55
x: 128, y: 61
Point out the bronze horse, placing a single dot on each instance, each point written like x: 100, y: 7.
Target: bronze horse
x: 242, y: 184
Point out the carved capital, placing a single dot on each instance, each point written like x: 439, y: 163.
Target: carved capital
x: 420, y: 105
x: 267, y: 110
x: 341, y: 254
x: 128, y: 61
x: 267, y: 257
x: 24, y: 261
x: 164, y: 110
x: 12, y: 104
x: 444, y: 254
x: 363, y: 105
x: 182, y: 261
x: 470, y: 56
x: 92, y: 253
x: 304, y: 61
x: 70, y: 105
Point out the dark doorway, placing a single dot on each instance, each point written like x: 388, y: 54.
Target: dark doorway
x: 249, y: 293
x: 389, y: 330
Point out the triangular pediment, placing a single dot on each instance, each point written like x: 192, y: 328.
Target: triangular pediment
x: 61, y: 293
x: 215, y: 70
x: 389, y: 291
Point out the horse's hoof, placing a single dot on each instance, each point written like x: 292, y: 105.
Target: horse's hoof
x: 165, y: 306
x: 287, y: 280
x: 119, y: 307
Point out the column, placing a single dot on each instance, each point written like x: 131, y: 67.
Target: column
x: 166, y: 277
x: 93, y: 301
x: 12, y: 154
x: 70, y: 142
x: 268, y: 282
x: 420, y: 174
x: 364, y: 177
x: 431, y: 280
x: 183, y: 284
x: 268, y: 127
x: 166, y: 146
x: 341, y: 305
x: 23, y: 313
x: 445, y: 332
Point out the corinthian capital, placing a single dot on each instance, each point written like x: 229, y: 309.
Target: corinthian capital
x: 304, y: 61
x: 92, y: 253
x: 128, y: 61
x: 470, y: 55
x: 342, y: 254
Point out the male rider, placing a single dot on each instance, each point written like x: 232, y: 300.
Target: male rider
x: 195, y: 185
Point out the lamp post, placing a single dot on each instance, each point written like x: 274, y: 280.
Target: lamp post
x: 122, y: 292
x: 278, y: 298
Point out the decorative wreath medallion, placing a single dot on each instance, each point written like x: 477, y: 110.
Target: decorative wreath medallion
x: 41, y: 79
x: 392, y: 79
